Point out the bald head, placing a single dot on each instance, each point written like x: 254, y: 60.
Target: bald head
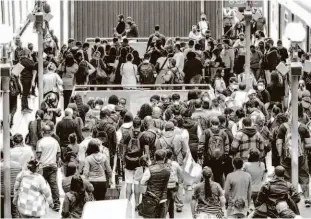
x: 68, y: 112
x: 148, y: 122
x: 46, y: 129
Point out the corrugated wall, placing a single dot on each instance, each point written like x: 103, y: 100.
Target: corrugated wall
x: 98, y: 18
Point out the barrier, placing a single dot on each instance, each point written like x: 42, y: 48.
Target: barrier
x: 135, y: 98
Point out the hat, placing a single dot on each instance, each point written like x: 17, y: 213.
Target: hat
x: 252, y: 91
x: 306, y: 102
x: 240, y: 34
x: 207, y: 172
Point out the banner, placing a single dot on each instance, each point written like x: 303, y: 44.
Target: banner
x: 242, y: 3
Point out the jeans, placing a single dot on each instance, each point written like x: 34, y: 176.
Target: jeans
x: 227, y: 76
x: 26, y: 83
x: 13, y: 107
x: 171, y: 195
x: 100, y: 189
x: 50, y: 175
x: 14, y: 211
x: 67, y: 95
x: 179, y: 197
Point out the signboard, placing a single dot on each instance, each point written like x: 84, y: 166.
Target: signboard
x: 242, y: 3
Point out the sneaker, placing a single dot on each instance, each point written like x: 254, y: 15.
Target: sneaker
x: 307, y: 203
x: 178, y: 210
x: 56, y: 208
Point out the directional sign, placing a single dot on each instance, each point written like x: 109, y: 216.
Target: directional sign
x: 242, y: 3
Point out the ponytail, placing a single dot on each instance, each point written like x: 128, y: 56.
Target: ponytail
x: 207, y: 188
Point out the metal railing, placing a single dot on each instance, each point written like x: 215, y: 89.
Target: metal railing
x: 138, y: 39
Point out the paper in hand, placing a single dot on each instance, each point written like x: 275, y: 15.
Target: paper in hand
x: 282, y: 68
x: 17, y: 69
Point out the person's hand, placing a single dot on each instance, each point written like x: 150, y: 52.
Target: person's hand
x: 51, y: 205
x: 14, y: 202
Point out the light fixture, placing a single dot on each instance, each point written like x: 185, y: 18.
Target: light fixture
x: 6, y: 34
x: 295, y: 32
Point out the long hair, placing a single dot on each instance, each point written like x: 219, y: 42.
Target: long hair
x: 275, y: 80
x: 39, y: 118
x: 69, y: 60
x: 82, y: 73
x: 77, y: 188
x: 145, y: 110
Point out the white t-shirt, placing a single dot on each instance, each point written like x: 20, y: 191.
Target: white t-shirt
x: 22, y: 155
x: 49, y: 147
x: 180, y: 61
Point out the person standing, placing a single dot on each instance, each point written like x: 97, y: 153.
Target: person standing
x: 15, y: 91
x: 156, y: 35
x: 256, y: 58
x: 15, y: 169
x: 238, y: 185
x: 179, y: 57
x: 26, y: 78
x: 227, y: 56
x: 31, y: 192
x: 21, y: 153
x: 270, y: 59
x: 120, y: 29
x: 208, y: 198
x: 203, y: 24
x: 48, y: 153
x: 65, y: 127
x: 95, y: 167
x: 129, y: 73
x: 156, y: 177
x: 132, y: 31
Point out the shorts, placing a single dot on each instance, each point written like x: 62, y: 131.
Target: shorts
x: 131, y: 176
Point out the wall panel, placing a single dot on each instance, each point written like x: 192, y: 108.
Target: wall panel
x: 98, y: 18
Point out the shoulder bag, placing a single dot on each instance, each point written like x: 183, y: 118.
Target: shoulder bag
x: 100, y: 73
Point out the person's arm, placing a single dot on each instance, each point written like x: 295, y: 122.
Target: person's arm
x: 108, y: 170
x: 235, y: 144
x: 179, y: 174
x: 46, y: 191
x: 280, y: 139
x: 149, y: 42
x: 91, y: 68
x: 294, y: 194
x: 227, y: 187
x: 78, y: 132
x: 66, y: 207
x: 86, y: 168
x: 261, y: 197
x: 34, y: 75
x: 249, y: 192
x: 146, y: 177
x: 194, y: 201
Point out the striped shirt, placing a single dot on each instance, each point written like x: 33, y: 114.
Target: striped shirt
x: 32, y: 192
x: 14, y: 171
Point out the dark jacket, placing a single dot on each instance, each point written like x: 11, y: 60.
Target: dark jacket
x: 192, y: 128
x: 157, y: 184
x: 227, y: 92
x: 65, y: 127
x: 107, y: 125
x: 133, y: 32
x: 29, y: 66
x: 160, y: 36
x: 271, y: 59
x: 120, y: 27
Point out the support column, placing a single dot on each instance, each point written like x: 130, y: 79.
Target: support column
x: 248, y: 18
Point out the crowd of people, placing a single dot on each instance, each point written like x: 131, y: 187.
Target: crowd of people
x: 226, y: 130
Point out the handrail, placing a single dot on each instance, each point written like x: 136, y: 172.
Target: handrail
x: 92, y: 39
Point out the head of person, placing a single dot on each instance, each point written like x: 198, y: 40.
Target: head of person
x: 253, y: 49
x: 215, y: 122
x: 122, y: 102
x: 93, y: 147
x: 275, y: 79
x: 279, y: 171
x: 128, y: 117
x: 30, y: 46
x: 71, y: 169
x: 269, y: 43
x: 97, y: 41
x: 160, y: 156
x: 208, y: 34
x: 237, y: 163
x: 105, y: 114
x: 169, y: 126
x: 18, y: 41
x: 157, y: 28
x: 77, y: 185
x: 192, y: 95
x: 172, y: 63
x: 154, y: 100
x: 254, y: 155
x: 205, y: 102
x: 247, y: 122
x: 148, y: 123
x: 194, y: 28
x: 120, y: 17
x: 177, y: 48
x: 129, y: 57
x: 233, y: 83
x: 33, y: 166
x: 51, y: 67
x: 191, y: 43
x: 165, y: 99
x: 156, y: 113
x: 147, y: 57
x: 79, y: 44
x: 72, y: 138
x: 279, y: 44
x: 242, y: 36
x: 113, y: 99
x: 226, y: 43
x: 251, y: 106
x: 203, y: 17
x: 261, y: 85
x: 252, y: 94
x: 17, y: 139
x: 129, y: 20
x: 71, y: 43
x: 187, y: 113
x: 145, y: 110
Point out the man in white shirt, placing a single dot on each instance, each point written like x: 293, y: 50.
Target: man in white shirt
x: 179, y: 57
x: 21, y: 153
x: 203, y: 24
x: 48, y: 153
x: 195, y: 34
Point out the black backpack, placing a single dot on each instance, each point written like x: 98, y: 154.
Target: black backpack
x: 133, y: 151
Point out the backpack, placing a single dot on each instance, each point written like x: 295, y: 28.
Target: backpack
x: 287, y: 150
x: 215, y: 141
x: 173, y: 178
x: 179, y: 77
x: 157, y: 144
x: 167, y: 144
x: 146, y: 73
x: 133, y: 151
x: 14, y: 90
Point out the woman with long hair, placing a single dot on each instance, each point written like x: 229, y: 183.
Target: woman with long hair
x: 276, y: 88
x: 35, y: 129
x: 145, y: 110
x: 121, y: 60
x: 96, y: 165
x: 31, y: 192
x: 208, y: 198
x: 75, y: 199
x: 136, y: 59
x: 82, y: 75
x: 219, y: 83
x: 68, y: 70
x: 129, y: 74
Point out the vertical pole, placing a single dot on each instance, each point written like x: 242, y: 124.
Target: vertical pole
x: 294, y: 105
x: 5, y: 80
x: 202, y: 6
x: 248, y: 18
x: 40, y: 56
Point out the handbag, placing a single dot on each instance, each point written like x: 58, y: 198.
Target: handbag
x: 100, y: 73
x: 148, y: 206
